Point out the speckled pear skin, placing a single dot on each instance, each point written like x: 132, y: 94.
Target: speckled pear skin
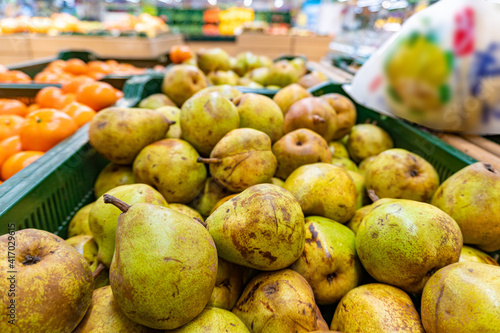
x: 325, y: 190
x: 205, y: 201
x: 376, y: 308
x: 261, y: 228
x: 279, y: 302
x: 170, y: 166
x: 186, y: 210
x: 79, y: 224
x: 463, y: 297
x: 52, y: 294
x: 470, y: 254
x: 367, y: 140
x: 404, y: 242
x: 329, y: 262
x: 119, y: 134
x: 472, y: 196
x: 212, y: 320
x: 400, y: 174
x: 183, y: 81
x: 170, y: 279
x: 104, y: 217
x: 346, y: 113
x: 111, y: 176
x: 246, y: 159
x: 206, y: 118
x: 358, y: 217
x: 289, y: 95
x: 105, y: 316
x: 221, y: 201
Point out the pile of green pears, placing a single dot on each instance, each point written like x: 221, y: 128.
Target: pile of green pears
x: 229, y: 212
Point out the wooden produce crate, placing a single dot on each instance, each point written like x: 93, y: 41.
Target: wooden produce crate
x: 14, y: 49
x: 271, y: 46
x: 313, y: 48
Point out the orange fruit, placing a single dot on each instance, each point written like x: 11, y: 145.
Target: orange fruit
x: 180, y: 53
x: 99, y: 67
x: 14, y: 77
x: 10, y: 125
x: 56, y: 65
x: 45, y: 128
x: 96, y: 75
x: 80, y: 113
x: 76, y: 66
x: 12, y: 106
x: 48, y: 97
x: 9, y: 147
x: 19, y: 161
x: 75, y: 83
x: 32, y: 108
x: 97, y: 95
x: 65, y: 100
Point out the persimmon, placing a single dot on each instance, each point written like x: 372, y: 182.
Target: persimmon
x: 12, y: 106
x: 75, y: 83
x: 9, y: 147
x: 80, y: 113
x: 97, y: 95
x: 76, y: 66
x: 180, y: 53
x: 45, y: 128
x: 10, y: 125
x: 19, y: 161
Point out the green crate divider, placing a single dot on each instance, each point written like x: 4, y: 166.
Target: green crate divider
x: 25, y: 93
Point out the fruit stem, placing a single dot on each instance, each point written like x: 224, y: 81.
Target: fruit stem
x: 170, y: 122
x: 116, y: 202
x: 317, y: 119
x: 98, y: 270
x: 208, y: 160
x: 373, y: 196
x: 200, y: 221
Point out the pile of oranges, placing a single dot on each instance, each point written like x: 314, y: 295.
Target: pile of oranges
x: 60, y: 71
x: 27, y: 132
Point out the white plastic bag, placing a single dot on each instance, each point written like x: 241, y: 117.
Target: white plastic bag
x: 442, y: 70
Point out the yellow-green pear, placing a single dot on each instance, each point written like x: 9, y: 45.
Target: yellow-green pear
x: 214, y: 59
x: 470, y: 254
x: 205, y: 201
x: 214, y: 320
x: 358, y: 217
x: 156, y: 101
x: 277, y: 182
x: 462, y: 297
x: 367, y: 140
x: 376, y: 308
x: 79, y: 224
x: 404, y: 242
x: 345, y: 163
x: 186, y: 210
x: 111, y: 176
x: 289, y: 95
x: 221, y: 201
x: 363, y: 166
x: 227, y: 91
x: 87, y: 247
x: 359, y: 182
x: 338, y: 149
x: 183, y: 81
x: 173, y: 114
x: 329, y: 262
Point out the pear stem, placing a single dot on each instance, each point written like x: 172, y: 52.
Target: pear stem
x: 317, y: 119
x: 208, y: 160
x: 116, y: 202
x: 373, y: 196
x: 98, y: 270
x: 170, y: 122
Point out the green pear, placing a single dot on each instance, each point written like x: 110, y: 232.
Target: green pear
x: 79, y: 224
x: 104, y: 315
x: 358, y: 217
x: 218, y: 78
x: 242, y: 158
x: 329, y: 262
x: 214, y: 320
x: 246, y: 61
x: 205, y: 119
x: 103, y: 217
x: 119, y: 134
x: 111, y: 176
x: 225, y: 90
x: 259, y: 75
x: 338, y: 149
x: 247, y: 82
x: 399, y: 174
x: 359, y: 182
x: 376, y: 308
x: 312, y: 113
x: 215, y: 59
x: 345, y: 163
x: 404, y: 242
x: 367, y: 140
x: 173, y: 114
x: 156, y: 101
x: 312, y: 79
x: 470, y: 254
x: 228, y: 285
x: 205, y: 201
x: 363, y: 166
x: 325, y: 190
x: 279, y: 302
x: 186, y: 210
x: 300, y: 66
x: 282, y: 74
x: 277, y: 182
x: 170, y: 166
x: 462, y: 297
x: 298, y: 148
x: 183, y: 81
x: 261, y: 113
x: 471, y: 197
x: 290, y: 94
x: 346, y: 113
x: 87, y: 247
x: 261, y: 228
x: 170, y: 280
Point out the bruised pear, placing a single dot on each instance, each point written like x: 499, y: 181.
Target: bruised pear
x: 367, y: 140
x: 111, y: 176
x: 312, y: 113
x: 298, y: 148
x: 261, y: 228
x: 205, y: 201
x: 206, y: 118
x: 290, y: 94
x: 156, y: 101
x: 346, y: 113
x: 282, y: 74
x: 183, y: 81
x: 242, y: 158
x: 279, y: 302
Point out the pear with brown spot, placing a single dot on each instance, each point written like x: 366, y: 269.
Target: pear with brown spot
x: 463, y: 297
x: 404, y: 242
x: 279, y: 302
x: 376, y: 308
x: 470, y: 254
x: 261, y: 228
x: 113, y: 175
x: 242, y: 158
x: 329, y: 262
